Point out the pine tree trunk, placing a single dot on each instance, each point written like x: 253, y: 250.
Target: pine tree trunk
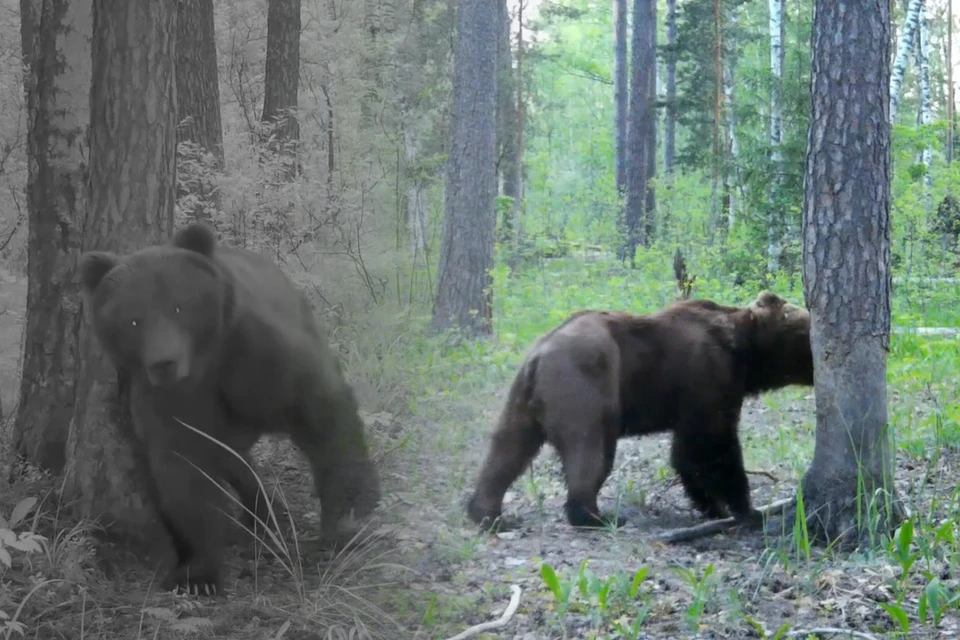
x: 670, y: 125
x: 198, y: 95
x: 641, y: 122
x: 620, y: 76
x: 508, y: 159
x: 466, y: 255
x: 281, y: 75
x: 132, y: 172
x: 847, y: 282
x: 55, y: 39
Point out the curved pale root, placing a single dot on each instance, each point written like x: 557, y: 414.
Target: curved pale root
x: 713, y: 527
x: 493, y: 624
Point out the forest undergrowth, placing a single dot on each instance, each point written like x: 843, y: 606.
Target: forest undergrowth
x: 430, y: 403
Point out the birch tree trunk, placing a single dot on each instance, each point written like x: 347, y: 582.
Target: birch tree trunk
x: 733, y: 146
x: 926, y: 100
x: 911, y: 24
x: 775, y: 229
x: 846, y: 271
x: 132, y: 174
x: 56, y: 47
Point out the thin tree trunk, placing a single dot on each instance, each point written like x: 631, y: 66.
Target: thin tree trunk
x: 641, y: 116
x: 132, y: 172
x: 950, y: 96
x: 620, y: 77
x: 55, y: 40
x: 926, y: 101
x: 466, y: 254
x: 198, y: 95
x: 775, y: 228
x: 911, y: 25
x: 669, y: 136
x: 847, y: 282
x: 518, y: 199
x: 717, y: 117
x: 733, y: 148
x: 416, y: 201
x: 508, y: 159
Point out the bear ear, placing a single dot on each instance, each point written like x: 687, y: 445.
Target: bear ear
x: 767, y: 300
x: 94, y: 265
x: 197, y: 237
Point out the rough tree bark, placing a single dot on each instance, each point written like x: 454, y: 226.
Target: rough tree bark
x: 198, y: 95
x: 846, y: 269
x: 133, y: 102
x: 466, y: 255
x: 642, y: 122
x: 56, y: 47
x: 620, y: 76
x: 281, y: 75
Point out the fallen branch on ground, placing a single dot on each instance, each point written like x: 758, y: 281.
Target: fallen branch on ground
x: 831, y: 630
x: 766, y: 474
x: 493, y: 624
x: 713, y: 527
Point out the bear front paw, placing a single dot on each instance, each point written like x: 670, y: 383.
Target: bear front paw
x: 194, y: 581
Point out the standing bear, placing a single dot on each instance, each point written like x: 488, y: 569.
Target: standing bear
x: 601, y: 376
x: 219, y: 338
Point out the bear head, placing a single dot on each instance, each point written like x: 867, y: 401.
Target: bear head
x: 779, y: 344
x: 161, y: 311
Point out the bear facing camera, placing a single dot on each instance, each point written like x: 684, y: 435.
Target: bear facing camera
x: 220, y: 339
x: 601, y: 376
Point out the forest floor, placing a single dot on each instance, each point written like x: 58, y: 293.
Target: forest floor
x: 430, y: 574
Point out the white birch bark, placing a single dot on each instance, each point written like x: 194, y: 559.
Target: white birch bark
x: 775, y: 229
x: 926, y: 99
x: 733, y: 170
x: 904, y: 47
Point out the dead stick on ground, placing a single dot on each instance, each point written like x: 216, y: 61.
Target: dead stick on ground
x: 493, y: 624
x: 713, y: 527
x: 765, y: 474
x: 832, y: 630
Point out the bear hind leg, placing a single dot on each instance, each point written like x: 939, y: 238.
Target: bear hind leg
x: 515, y: 443
x: 588, y: 458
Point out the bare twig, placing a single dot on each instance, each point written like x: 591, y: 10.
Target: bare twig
x: 766, y: 474
x: 713, y: 527
x: 832, y: 630
x: 493, y: 624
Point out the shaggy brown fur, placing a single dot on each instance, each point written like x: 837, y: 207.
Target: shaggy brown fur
x: 601, y: 376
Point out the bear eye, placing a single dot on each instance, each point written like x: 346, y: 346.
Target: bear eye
x: 176, y: 309
x: 133, y: 323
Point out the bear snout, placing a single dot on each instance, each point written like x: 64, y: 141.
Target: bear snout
x: 163, y: 373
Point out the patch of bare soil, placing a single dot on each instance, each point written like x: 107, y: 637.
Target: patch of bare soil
x: 727, y: 586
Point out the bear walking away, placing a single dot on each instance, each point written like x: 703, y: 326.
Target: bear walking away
x: 601, y: 376
x: 219, y: 338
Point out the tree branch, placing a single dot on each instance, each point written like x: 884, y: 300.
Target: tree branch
x: 713, y: 527
x: 493, y: 624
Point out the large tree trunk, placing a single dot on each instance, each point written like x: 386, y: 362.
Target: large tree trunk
x: 846, y: 271
x: 620, y: 76
x: 640, y: 126
x: 198, y: 94
x: 133, y: 102
x: 281, y: 75
x: 466, y: 255
x: 55, y: 39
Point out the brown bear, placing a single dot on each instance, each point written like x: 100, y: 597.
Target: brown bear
x: 219, y: 338
x: 601, y: 376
